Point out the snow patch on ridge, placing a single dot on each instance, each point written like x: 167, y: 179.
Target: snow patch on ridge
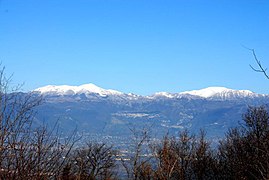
x: 164, y: 94
x: 71, y: 90
x: 221, y: 92
x: 218, y: 93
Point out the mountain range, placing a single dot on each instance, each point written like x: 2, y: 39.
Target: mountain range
x: 102, y: 113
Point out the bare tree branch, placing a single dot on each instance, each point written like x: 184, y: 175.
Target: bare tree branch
x: 260, y: 68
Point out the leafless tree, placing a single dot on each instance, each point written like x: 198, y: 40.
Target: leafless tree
x: 166, y: 158
x: 16, y: 115
x: 244, y: 154
x: 184, y: 157
x: 174, y: 157
x: 260, y: 67
x: 27, y: 152
x: 94, y: 161
x: 139, y: 155
x: 204, y: 164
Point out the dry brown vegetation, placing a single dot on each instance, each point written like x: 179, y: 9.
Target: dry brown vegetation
x: 28, y: 152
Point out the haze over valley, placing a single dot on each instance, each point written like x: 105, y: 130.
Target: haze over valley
x: 134, y: 89
x: 102, y: 113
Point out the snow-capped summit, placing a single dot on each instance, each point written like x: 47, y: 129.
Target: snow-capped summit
x: 71, y: 90
x: 164, y: 94
x: 220, y: 92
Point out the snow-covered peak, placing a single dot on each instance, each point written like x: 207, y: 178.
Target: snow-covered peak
x: 71, y: 90
x: 220, y: 92
x: 164, y: 94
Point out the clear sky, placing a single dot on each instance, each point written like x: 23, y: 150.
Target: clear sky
x: 138, y: 46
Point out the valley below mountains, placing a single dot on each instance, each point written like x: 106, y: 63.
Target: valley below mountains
x: 107, y: 115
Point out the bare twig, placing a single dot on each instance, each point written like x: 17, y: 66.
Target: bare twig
x: 260, y: 68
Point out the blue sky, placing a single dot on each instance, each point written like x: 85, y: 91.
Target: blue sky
x: 139, y: 46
